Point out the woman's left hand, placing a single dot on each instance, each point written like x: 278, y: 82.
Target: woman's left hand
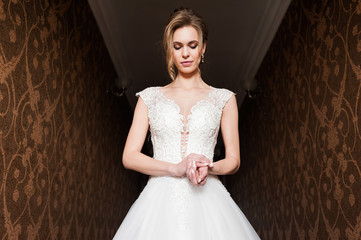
x: 202, y: 175
x: 197, y: 168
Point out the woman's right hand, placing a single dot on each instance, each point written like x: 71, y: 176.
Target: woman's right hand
x: 197, y: 168
x: 187, y: 166
x: 179, y: 169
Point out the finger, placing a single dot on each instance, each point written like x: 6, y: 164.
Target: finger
x: 202, y: 164
x: 203, y: 181
x: 203, y: 161
x: 194, y: 177
x: 203, y: 173
x: 189, y: 165
x: 188, y: 172
x: 206, y: 163
x: 192, y: 162
x: 191, y: 175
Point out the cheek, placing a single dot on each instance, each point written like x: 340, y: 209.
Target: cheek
x: 175, y: 56
x: 196, y: 54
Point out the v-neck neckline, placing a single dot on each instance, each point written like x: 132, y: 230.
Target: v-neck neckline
x: 185, y: 117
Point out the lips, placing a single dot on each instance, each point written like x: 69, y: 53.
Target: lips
x: 186, y: 63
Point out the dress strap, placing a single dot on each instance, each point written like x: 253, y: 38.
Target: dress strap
x: 148, y: 95
x: 223, y: 95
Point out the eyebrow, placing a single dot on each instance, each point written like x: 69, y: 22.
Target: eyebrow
x: 194, y: 41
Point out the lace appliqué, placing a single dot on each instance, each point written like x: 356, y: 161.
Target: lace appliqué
x: 173, y: 136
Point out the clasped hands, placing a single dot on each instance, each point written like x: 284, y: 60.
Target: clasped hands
x: 197, y: 167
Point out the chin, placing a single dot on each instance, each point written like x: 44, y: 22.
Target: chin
x: 187, y: 70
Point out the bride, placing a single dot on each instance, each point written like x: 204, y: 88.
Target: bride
x: 184, y: 199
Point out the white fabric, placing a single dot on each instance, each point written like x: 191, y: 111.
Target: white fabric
x: 171, y: 208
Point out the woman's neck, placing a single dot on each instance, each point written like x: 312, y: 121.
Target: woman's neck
x: 189, y: 81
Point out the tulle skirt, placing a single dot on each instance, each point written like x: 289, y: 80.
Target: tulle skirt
x: 172, y: 208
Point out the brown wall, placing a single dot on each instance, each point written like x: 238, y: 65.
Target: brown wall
x: 61, y: 135
x: 301, y: 142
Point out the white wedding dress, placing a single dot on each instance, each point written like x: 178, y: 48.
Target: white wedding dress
x: 171, y: 208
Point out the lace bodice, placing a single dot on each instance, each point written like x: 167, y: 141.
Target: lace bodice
x: 172, y: 207
x: 173, y: 135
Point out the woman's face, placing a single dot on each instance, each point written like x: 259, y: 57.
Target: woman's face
x: 186, y: 53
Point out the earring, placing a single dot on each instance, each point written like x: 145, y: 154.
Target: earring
x: 202, y: 58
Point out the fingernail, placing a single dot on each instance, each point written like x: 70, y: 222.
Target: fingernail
x: 211, y: 164
x: 199, y: 180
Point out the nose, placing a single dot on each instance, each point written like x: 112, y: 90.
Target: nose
x: 185, y: 52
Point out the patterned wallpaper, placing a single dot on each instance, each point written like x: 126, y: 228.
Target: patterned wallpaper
x: 300, y: 176
x: 61, y: 134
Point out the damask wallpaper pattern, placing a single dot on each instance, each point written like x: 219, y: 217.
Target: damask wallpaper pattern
x: 300, y: 176
x: 61, y: 134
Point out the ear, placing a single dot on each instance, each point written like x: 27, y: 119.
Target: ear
x: 204, y: 47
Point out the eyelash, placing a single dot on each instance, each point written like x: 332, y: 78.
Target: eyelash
x: 192, y: 46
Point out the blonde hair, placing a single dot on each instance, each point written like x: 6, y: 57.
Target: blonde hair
x: 180, y: 18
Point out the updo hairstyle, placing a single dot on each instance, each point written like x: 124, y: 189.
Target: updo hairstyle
x: 180, y: 18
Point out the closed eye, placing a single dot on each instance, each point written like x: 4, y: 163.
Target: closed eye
x: 193, y: 46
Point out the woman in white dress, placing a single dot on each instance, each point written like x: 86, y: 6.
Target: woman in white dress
x: 184, y: 199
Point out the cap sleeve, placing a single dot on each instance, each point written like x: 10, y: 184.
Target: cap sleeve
x: 223, y: 97
x: 147, y: 95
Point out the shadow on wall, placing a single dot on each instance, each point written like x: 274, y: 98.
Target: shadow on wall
x: 300, y: 176
x: 61, y: 135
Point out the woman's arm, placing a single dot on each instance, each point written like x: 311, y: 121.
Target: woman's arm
x: 229, y: 127
x: 135, y: 160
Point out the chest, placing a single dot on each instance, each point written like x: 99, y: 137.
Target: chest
x: 165, y: 116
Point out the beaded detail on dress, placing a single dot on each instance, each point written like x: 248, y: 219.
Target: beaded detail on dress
x: 174, y: 136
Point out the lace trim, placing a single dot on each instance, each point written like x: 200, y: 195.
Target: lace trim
x: 185, y: 118
x: 197, y: 130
